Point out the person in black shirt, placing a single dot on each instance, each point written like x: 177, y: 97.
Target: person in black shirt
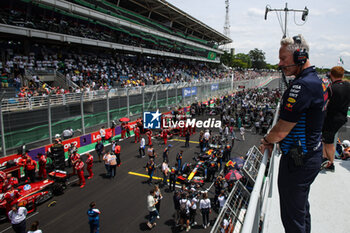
x: 187, y: 136
x: 337, y: 108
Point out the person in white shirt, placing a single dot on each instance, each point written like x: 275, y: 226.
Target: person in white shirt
x: 151, y: 206
x: 67, y: 133
x: 222, y: 200
x: 206, y: 137
x: 242, y: 131
x: 165, y: 171
x: 34, y: 228
x: 225, y: 223
x: 103, y: 133
x: 193, y: 209
x: 142, y: 147
x: 185, y: 212
x: 205, y: 207
x: 17, y: 216
x: 106, y: 159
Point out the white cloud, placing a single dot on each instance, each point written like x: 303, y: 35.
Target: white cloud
x: 345, y: 54
x: 315, y: 12
x: 332, y: 10
x: 255, y: 12
x: 324, y: 28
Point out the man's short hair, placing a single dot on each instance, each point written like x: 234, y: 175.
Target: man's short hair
x: 337, y: 72
x: 293, y: 45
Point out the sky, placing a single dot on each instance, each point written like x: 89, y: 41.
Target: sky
x: 326, y: 28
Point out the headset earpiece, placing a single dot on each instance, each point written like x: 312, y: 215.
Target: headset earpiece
x: 299, y: 56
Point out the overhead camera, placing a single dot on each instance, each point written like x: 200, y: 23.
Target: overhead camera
x: 305, y: 14
x: 267, y: 9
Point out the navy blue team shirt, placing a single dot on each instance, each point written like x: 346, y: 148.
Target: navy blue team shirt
x: 304, y: 103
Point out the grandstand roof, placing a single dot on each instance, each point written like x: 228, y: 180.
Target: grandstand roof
x: 168, y: 14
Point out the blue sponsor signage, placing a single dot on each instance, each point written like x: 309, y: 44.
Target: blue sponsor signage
x: 186, y: 92
x: 214, y: 87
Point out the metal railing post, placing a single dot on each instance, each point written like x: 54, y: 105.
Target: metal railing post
x: 49, y: 116
x: 108, y: 117
x: 183, y: 97
x: 82, y: 112
x: 167, y: 95
x: 30, y: 103
x: 128, y: 102
x: 157, y: 97
x: 191, y: 98
x: 143, y: 98
x: 2, y: 126
x: 176, y: 100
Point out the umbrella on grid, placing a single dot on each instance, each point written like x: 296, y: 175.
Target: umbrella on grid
x: 233, y: 175
x: 124, y: 119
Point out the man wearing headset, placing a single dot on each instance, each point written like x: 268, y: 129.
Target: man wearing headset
x: 298, y: 132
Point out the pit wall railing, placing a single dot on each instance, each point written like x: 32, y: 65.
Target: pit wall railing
x: 59, y: 112
x: 245, y: 210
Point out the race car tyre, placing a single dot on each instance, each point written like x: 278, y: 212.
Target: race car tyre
x: 44, y: 198
x: 57, y: 189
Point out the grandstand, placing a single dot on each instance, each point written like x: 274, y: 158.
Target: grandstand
x: 60, y: 47
x: 77, y: 51
x: 36, y: 35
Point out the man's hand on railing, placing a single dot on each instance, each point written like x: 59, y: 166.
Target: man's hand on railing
x: 265, y: 145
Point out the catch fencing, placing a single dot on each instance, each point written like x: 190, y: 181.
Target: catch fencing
x: 36, y: 119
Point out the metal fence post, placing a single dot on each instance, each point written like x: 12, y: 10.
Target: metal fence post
x: 157, y: 96
x: 167, y: 96
x: 183, y: 97
x: 30, y: 103
x: 128, y: 102
x: 191, y: 98
x: 108, y: 117
x: 49, y: 116
x: 2, y: 126
x: 176, y: 95
x: 82, y: 111
x: 143, y: 98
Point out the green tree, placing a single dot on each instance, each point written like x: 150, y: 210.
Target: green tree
x: 257, y: 57
x: 241, y: 60
x: 226, y: 59
x: 271, y: 67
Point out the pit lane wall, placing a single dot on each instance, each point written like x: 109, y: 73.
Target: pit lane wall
x: 189, y: 93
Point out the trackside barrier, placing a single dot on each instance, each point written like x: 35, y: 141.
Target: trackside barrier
x: 113, y: 103
x: 249, y: 218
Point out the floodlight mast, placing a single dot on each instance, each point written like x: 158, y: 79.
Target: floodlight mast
x: 286, y: 10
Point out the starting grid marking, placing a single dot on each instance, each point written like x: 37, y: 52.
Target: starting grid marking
x: 181, y: 140
x: 178, y: 185
x: 147, y: 176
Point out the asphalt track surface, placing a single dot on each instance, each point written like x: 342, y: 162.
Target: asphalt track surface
x: 122, y: 200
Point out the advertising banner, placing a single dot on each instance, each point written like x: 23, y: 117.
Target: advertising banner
x: 214, y: 87
x: 186, y: 92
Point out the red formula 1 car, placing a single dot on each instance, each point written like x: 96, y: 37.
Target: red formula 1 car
x: 32, y: 194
